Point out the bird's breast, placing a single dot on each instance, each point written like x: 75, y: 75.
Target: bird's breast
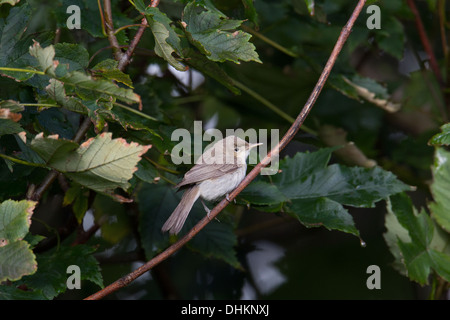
x: 212, y: 189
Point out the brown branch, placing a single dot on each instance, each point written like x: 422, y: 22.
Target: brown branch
x: 126, y: 57
x: 425, y: 41
x: 109, y: 28
x: 122, y: 282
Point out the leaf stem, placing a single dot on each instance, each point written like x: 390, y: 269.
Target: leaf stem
x: 19, y: 161
x: 126, y: 27
x: 50, y: 105
x: 158, y: 166
x: 139, y: 113
x: 269, y: 41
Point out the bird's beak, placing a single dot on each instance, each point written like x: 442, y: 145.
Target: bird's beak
x: 251, y: 146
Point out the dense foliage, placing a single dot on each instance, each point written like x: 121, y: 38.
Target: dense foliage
x: 86, y: 176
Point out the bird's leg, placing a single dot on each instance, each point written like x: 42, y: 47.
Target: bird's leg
x: 227, y: 196
x: 206, y: 209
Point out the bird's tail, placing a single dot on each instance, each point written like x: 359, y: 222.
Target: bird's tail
x: 179, y: 215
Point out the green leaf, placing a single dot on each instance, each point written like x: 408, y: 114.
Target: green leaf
x: 51, y: 276
x: 442, y: 138
x: 418, y: 251
x: 107, y: 69
x: 16, y: 261
x: 15, y: 219
x: 213, y: 34
x: 310, y: 6
x: 112, y: 217
x: 101, y: 163
x: 440, y: 188
x: 250, y: 11
x: 317, y: 193
x: 358, y: 187
x: 57, y: 92
x: 166, y: 39
x: 7, y: 126
x: 216, y: 240
x: 391, y: 37
x: 16, y: 257
x: 74, y: 55
x: 323, y: 212
x: 77, y: 196
x: 157, y: 202
x: 95, y: 88
x: 209, y: 68
x: 261, y: 193
x: 13, y: 46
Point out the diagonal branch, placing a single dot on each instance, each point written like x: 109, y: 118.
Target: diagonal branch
x: 109, y: 27
x: 126, y: 57
x: 425, y: 41
x: 124, y: 281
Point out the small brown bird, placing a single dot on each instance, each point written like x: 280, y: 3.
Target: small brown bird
x: 218, y: 171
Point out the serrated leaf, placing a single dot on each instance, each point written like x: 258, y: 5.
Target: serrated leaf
x: 7, y: 126
x: 440, y: 188
x: 57, y: 92
x: 15, y: 220
x: 317, y: 192
x: 418, y: 254
x: 51, y: 277
x: 261, y: 193
x: 14, y: 49
x: 74, y: 55
x: 16, y: 257
x: 359, y: 187
x: 108, y: 69
x: 95, y: 88
x: 442, y: 138
x: 166, y: 39
x: 391, y: 39
x: 216, y: 240
x: 250, y: 11
x: 101, y: 163
x: 210, y: 68
x: 157, y: 202
x: 323, y: 212
x: 16, y: 261
x: 215, y: 35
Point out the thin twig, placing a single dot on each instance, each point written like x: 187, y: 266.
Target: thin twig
x: 122, y: 282
x: 425, y: 41
x: 126, y: 57
x: 109, y: 26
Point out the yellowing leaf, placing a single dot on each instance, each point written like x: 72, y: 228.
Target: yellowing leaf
x: 101, y: 163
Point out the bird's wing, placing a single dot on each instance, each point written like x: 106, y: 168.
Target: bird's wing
x: 201, y: 172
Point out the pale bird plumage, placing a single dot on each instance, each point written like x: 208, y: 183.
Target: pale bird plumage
x: 217, y: 172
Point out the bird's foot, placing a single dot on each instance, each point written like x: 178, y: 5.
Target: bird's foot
x: 208, y: 212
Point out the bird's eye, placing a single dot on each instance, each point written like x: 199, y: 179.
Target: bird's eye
x: 236, y: 149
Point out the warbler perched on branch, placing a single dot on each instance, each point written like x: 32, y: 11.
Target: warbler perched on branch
x: 218, y: 171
